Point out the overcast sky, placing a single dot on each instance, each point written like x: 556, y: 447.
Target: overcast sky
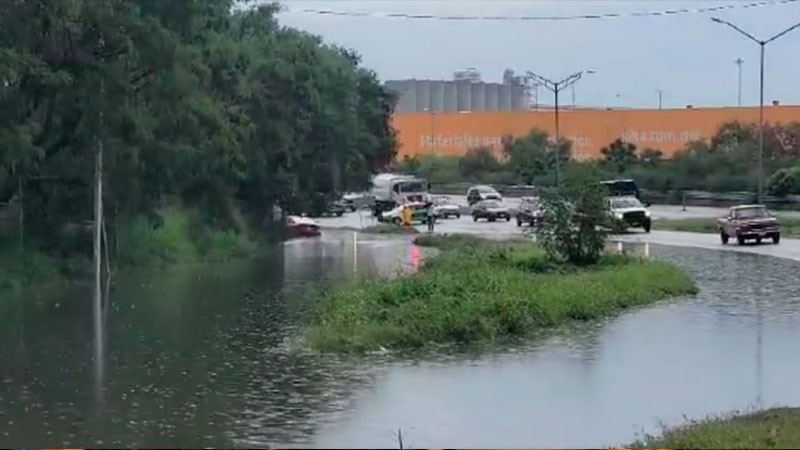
x: 689, y: 57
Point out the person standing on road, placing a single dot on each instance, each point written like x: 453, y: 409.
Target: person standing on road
x: 430, y: 216
x: 406, y: 214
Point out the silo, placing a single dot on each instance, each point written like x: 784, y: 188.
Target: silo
x: 464, y: 89
x: 450, y: 97
x: 406, y: 95
x: 478, y: 100
x: 437, y: 96
x: 504, y: 98
x: 517, y: 97
x: 423, y: 89
x: 491, y: 97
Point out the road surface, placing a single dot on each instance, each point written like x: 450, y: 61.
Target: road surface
x: 788, y: 248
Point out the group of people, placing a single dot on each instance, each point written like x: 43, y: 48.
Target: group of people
x: 430, y: 215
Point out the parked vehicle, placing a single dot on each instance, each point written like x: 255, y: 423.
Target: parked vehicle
x: 630, y: 212
x: 621, y: 188
x: 390, y: 190
x: 298, y: 226
x: 354, y: 201
x: 395, y: 216
x: 444, y: 207
x: 479, y: 193
x: 529, y: 212
x: 749, y: 222
x: 490, y: 210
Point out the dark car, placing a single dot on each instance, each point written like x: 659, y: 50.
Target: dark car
x: 479, y: 193
x: 529, y: 212
x: 621, y: 188
x: 490, y: 210
x: 749, y: 222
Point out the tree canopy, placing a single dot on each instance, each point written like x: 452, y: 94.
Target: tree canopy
x: 196, y: 101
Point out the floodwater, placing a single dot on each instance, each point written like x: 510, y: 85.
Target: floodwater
x: 208, y: 355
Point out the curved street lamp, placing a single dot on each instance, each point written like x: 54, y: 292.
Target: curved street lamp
x: 762, y: 44
x: 556, y: 87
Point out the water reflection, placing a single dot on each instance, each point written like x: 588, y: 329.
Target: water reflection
x: 208, y: 355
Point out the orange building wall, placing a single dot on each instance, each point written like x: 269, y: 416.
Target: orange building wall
x: 590, y: 130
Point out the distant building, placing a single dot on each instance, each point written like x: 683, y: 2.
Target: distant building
x: 465, y: 93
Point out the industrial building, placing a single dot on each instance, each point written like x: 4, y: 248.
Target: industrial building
x: 467, y: 92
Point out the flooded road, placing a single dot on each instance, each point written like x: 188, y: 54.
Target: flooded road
x: 208, y: 356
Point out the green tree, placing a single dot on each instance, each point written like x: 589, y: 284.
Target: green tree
x: 533, y: 155
x: 619, y: 155
x: 477, y: 161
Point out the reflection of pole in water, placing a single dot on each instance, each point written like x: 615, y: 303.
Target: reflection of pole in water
x: 355, y: 253
x: 759, y: 356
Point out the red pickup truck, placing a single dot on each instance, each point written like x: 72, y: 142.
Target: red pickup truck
x: 749, y: 222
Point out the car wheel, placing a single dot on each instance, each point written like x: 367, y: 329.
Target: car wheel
x: 519, y: 222
x: 647, y: 227
x: 776, y: 238
x: 339, y: 213
x: 396, y: 221
x: 740, y: 239
x: 508, y: 218
x: 458, y: 215
x: 758, y: 240
x: 723, y: 237
x: 474, y: 218
x: 492, y: 219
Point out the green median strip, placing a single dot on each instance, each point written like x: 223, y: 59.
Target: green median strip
x: 477, y: 290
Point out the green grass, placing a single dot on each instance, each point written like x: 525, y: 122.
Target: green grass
x: 790, y: 226
x: 180, y: 237
x: 774, y: 428
x: 478, y: 291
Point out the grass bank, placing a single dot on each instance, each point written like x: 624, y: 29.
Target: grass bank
x: 480, y: 290
x: 774, y: 428
x: 790, y: 226
x: 176, y: 235
x: 389, y: 228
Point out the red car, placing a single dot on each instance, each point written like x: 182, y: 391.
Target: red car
x: 749, y: 222
x: 298, y: 226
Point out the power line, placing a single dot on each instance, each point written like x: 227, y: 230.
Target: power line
x: 667, y: 12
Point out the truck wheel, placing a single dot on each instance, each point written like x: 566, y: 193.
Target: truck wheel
x: 508, y: 218
x: 474, y: 218
x: 647, y: 227
x: 776, y: 238
x: 458, y: 215
x: 758, y: 240
x: 740, y: 239
x: 723, y: 237
x: 492, y: 219
x: 519, y: 222
x: 396, y: 221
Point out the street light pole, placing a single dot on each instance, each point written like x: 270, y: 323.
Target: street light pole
x: 556, y: 87
x: 659, y: 98
x: 739, y: 62
x: 763, y: 45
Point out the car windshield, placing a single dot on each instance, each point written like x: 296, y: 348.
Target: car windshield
x: 625, y: 202
x: 750, y: 213
x: 411, y: 186
x: 492, y: 204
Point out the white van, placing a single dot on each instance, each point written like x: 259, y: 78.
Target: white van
x: 481, y: 192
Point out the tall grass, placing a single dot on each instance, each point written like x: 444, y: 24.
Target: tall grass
x: 179, y: 237
x: 477, y: 290
x: 774, y: 428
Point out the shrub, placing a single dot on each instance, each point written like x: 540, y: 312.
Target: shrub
x: 574, y: 219
x: 784, y: 182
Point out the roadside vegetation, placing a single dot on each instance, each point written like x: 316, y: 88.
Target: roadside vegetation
x: 211, y: 115
x: 388, y: 228
x: 790, y: 226
x: 477, y: 290
x: 725, y: 163
x: 773, y: 428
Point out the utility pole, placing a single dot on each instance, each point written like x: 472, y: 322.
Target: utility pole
x: 660, y: 92
x: 739, y: 62
x: 762, y: 44
x: 556, y: 87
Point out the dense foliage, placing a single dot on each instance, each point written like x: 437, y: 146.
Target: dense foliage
x: 727, y: 162
x: 220, y: 110
x: 575, y: 220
